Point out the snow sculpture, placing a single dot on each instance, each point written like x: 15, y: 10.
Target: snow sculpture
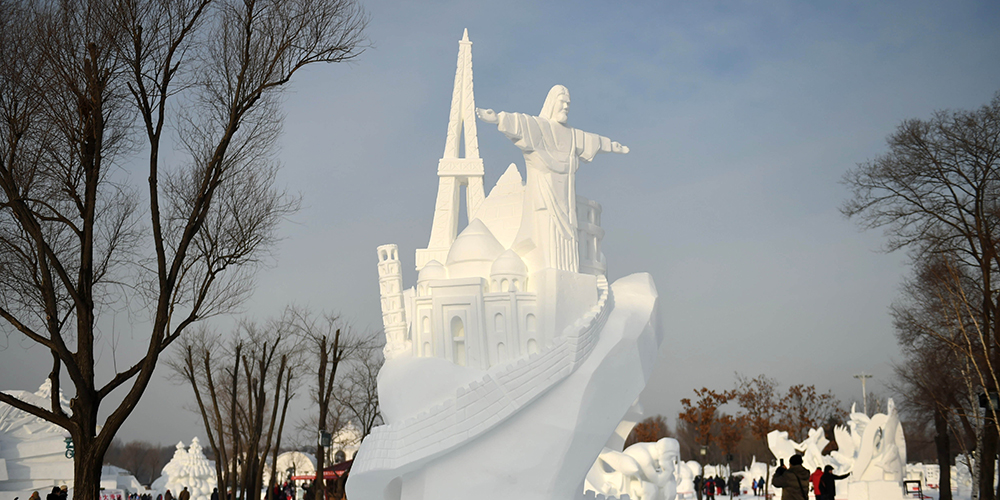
x: 644, y: 471
x: 188, y: 468
x: 879, y: 463
x: 872, y: 449
x: 755, y: 470
x: 686, y: 472
x: 33, y: 452
x: 512, y: 332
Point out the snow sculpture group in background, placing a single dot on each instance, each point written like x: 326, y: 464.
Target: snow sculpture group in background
x: 644, y: 471
x: 188, y: 468
x: 512, y: 333
x: 872, y: 449
x: 33, y: 451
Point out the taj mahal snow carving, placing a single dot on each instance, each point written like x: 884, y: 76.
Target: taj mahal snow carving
x: 511, y: 362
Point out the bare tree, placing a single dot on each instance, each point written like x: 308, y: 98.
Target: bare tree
x: 935, y: 193
x: 358, y: 389
x: 334, y: 349
x: 935, y: 377
x: 243, y: 385
x: 84, y: 84
x: 323, y: 341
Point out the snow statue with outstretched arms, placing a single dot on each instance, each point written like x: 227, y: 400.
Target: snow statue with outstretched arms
x: 512, y: 360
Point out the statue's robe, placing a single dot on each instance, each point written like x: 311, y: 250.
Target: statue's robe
x: 552, y: 153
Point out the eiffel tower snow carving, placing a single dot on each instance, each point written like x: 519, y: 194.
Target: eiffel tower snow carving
x: 455, y: 171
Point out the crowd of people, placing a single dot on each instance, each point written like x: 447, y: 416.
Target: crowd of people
x: 709, y: 487
x: 794, y: 481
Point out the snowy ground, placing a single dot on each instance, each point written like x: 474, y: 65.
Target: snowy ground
x: 933, y: 494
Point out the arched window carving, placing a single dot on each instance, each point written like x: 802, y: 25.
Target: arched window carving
x: 458, y: 340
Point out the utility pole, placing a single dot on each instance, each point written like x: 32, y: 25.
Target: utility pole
x: 864, y: 394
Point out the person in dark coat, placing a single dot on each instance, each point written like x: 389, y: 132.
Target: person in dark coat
x: 793, y: 481
x: 168, y: 496
x: 699, y: 483
x: 828, y: 484
x: 54, y: 494
x: 710, y: 488
x: 215, y: 493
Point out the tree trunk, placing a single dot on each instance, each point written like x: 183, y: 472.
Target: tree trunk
x: 87, y: 472
x: 986, y: 459
x: 942, y: 441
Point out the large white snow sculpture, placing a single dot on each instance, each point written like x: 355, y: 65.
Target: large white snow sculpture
x: 33, y: 451
x: 188, y: 468
x: 512, y: 360
x: 872, y: 449
x: 644, y: 471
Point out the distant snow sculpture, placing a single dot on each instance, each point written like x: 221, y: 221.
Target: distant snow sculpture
x: 513, y: 332
x: 33, y: 451
x: 188, y: 468
x: 686, y: 472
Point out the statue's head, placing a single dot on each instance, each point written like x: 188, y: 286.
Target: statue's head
x: 556, y: 107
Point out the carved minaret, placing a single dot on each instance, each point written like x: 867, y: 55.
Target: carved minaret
x: 455, y: 171
x: 390, y: 284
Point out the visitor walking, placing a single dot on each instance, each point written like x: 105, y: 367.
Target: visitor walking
x: 35, y: 496
x: 215, y: 494
x: 710, y: 488
x: 54, y: 494
x: 793, y: 481
x: 166, y: 496
x: 699, y: 484
x: 185, y: 494
x: 734, y: 486
x: 828, y: 484
x: 760, y: 486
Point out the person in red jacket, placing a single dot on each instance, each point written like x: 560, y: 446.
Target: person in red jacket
x: 814, y: 479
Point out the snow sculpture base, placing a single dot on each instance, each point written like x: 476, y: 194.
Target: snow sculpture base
x: 542, y: 451
x: 875, y: 490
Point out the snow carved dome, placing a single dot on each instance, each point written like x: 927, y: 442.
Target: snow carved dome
x: 473, y: 252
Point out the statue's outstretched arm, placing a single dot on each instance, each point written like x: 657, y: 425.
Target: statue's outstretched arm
x: 487, y: 115
x: 616, y: 147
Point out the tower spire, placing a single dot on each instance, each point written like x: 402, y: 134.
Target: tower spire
x: 454, y: 169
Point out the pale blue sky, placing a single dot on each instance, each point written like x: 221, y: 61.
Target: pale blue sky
x: 741, y: 117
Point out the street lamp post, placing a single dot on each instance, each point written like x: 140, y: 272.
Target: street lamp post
x: 864, y: 394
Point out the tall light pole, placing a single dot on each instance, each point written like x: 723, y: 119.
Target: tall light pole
x: 864, y: 394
